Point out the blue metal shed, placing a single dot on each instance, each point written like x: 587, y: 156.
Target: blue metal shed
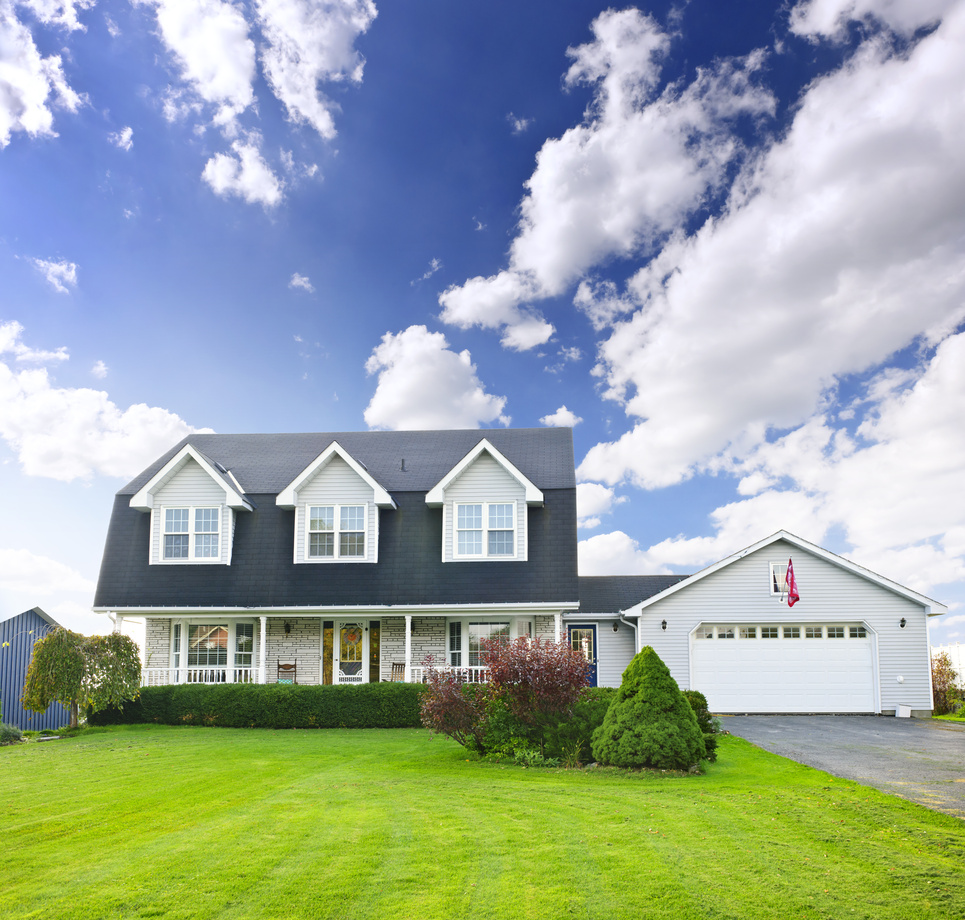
x: 17, y: 637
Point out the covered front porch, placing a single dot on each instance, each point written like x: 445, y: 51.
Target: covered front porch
x: 301, y: 648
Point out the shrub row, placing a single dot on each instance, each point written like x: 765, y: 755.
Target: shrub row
x: 385, y: 705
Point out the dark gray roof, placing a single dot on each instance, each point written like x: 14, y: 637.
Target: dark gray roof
x: 410, y: 569
x: 613, y: 593
x: 267, y: 463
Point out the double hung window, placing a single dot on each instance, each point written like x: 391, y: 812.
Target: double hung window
x: 191, y: 533
x: 486, y: 529
x: 336, y: 532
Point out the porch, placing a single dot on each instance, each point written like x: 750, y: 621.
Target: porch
x: 301, y: 649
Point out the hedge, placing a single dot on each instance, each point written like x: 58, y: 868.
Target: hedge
x: 383, y: 705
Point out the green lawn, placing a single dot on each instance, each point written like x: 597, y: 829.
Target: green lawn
x: 200, y: 822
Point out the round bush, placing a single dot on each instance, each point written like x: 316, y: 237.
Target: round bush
x: 650, y: 723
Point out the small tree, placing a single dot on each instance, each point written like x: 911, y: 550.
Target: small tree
x: 452, y: 707
x: 943, y: 683
x: 82, y: 672
x: 537, y: 682
x: 532, y: 687
x: 650, y: 723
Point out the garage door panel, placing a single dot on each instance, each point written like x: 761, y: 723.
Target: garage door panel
x: 785, y: 675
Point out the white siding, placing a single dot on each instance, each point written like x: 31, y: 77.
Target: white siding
x: 740, y: 593
x: 484, y: 480
x: 191, y: 486
x: 614, y: 651
x: 337, y: 484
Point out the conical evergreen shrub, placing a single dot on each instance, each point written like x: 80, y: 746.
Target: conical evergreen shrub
x: 650, y: 723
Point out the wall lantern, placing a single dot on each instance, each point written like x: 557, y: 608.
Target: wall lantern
x: 902, y: 623
x: 663, y: 625
x: 288, y: 627
x: 616, y: 626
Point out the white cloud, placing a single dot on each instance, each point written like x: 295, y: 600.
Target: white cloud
x: 26, y: 572
x: 561, y: 418
x: 891, y: 491
x: 99, y: 370
x: 615, y: 185
x: 67, y: 434
x: 123, y: 139
x: 434, y: 266
x: 592, y: 501
x: 853, y: 216
x: 302, y: 282
x: 62, y: 13
x: 31, y: 85
x: 309, y: 43
x: 830, y: 18
x: 519, y: 125
x: 216, y: 57
x: 58, y: 274
x: 423, y: 384
x: 616, y: 554
x: 244, y: 174
x: 10, y: 343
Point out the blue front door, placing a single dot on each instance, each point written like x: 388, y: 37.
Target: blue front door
x: 583, y: 638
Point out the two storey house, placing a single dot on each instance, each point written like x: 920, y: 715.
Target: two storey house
x: 354, y: 557
x: 343, y: 557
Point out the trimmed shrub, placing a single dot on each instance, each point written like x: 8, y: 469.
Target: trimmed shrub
x: 9, y: 733
x: 383, y: 705
x: 650, y: 723
x: 571, y: 740
x: 709, y: 725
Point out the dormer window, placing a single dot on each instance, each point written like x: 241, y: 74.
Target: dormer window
x: 344, y: 541
x: 485, y: 529
x: 191, y: 533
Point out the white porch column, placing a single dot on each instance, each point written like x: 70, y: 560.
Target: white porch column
x: 408, y: 647
x: 558, y: 625
x: 262, y: 650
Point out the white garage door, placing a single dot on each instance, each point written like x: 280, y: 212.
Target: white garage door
x: 784, y: 668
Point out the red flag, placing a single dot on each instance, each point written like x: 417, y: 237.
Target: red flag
x: 792, y: 596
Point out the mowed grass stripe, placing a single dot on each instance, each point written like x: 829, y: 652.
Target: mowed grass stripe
x: 214, y: 823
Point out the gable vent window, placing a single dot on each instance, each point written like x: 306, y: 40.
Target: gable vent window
x: 192, y: 533
x: 336, y: 531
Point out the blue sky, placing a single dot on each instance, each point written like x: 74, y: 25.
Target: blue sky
x: 723, y: 241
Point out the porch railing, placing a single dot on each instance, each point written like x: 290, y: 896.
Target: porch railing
x: 473, y: 675
x: 161, y: 677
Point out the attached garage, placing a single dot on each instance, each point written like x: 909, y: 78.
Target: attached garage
x: 755, y: 667
x: 854, y: 642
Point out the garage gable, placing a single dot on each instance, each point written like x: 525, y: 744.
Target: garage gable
x: 854, y: 642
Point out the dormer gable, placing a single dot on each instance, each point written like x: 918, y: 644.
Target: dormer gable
x: 192, y: 501
x: 336, y: 503
x: 145, y: 498
x: 485, y: 500
x: 437, y: 494
x: 288, y: 497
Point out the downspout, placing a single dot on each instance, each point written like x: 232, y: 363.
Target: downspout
x: 636, y: 632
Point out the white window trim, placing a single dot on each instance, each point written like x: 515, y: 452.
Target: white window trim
x: 160, y: 515
x: 777, y: 579
x: 178, y: 657
x: 518, y: 626
x: 336, y: 531
x: 519, y: 539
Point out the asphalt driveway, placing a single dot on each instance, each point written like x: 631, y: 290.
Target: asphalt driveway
x: 922, y: 760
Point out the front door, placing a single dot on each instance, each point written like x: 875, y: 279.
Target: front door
x: 350, y: 652
x: 584, y: 639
